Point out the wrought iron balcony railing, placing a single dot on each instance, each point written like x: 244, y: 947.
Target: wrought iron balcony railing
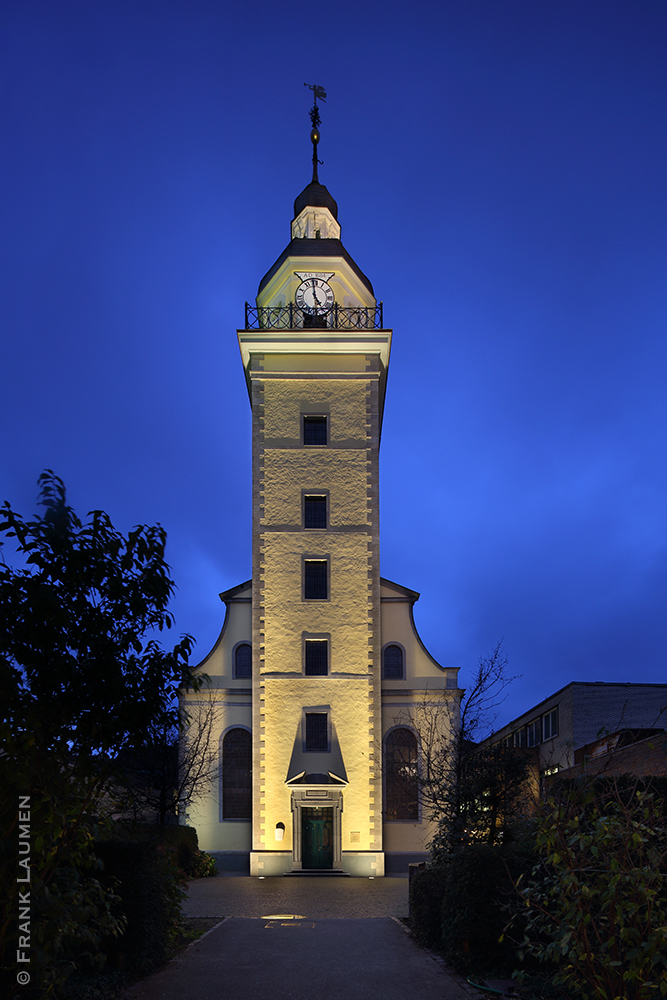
x: 290, y: 317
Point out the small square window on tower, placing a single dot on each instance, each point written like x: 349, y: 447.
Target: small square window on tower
x: 314, y: 430
x: 316, y: 657
x: 316, y: 579
x: 315, y: 511
x: 317, y: 731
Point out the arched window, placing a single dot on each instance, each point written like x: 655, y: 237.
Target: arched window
x: 392, y: 663
x: 401, y: 769
x: 243, y: 660
x: 237, y: 775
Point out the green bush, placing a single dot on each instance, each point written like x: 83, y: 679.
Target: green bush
x: 105, y: 985
x: 427, y: 887
x: 203, y: 866
x: 479, y: 897
x: 180, y: 843
x: 183, y: 847
x: 461, y: 906
x: 175, y: 837
x: 150, y: 892
x: 597, y: 903
x: 73, y: 913
x: 583, y: 895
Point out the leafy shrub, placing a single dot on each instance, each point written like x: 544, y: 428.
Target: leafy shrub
x: 427, y: 888
x: 176, y: 838
x: 479, y: 893
x: 150, y: 892
x: 182, y: 846
x: 461, y: 905
x: 203, y: 866
x: 73, y: 913
x: 106, y: 985
x: 597, y: 902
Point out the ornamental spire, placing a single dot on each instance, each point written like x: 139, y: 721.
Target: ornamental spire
x: 321, y: 94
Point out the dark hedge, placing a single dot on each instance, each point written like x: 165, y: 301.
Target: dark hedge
x: 462, y: 905
x: 427, y: 889
x: 150, y: 891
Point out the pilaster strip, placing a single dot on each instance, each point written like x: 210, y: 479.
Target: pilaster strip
x: 259, y: 773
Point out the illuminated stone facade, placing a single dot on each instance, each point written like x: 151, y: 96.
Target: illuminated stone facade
x: 325, y: 692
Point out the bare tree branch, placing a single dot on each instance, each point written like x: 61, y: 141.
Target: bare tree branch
x: 469, y: 792
x: 175, y: 766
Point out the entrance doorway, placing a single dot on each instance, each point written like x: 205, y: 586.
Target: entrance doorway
x: 317, y: 833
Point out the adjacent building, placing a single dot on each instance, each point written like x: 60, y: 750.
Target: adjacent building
x: 582, y: 714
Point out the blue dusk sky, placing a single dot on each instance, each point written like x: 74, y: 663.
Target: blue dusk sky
x: 500, y: 168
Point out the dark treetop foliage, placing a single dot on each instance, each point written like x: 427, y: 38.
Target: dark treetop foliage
x: 76, y: 664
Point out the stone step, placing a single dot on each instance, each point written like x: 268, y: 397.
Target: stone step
x: 319, y: 872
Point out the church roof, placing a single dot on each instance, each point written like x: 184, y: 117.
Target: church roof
x: 233, y: 592
x: 315, y: 195
x: 302, y: 247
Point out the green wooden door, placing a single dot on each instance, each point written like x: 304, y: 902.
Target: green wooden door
x: 317, y: 838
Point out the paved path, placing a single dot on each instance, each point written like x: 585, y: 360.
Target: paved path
x: 226, y: 896
x: 337, y: 942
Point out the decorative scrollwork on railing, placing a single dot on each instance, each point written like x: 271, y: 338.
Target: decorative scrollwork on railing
x: 290, y: 317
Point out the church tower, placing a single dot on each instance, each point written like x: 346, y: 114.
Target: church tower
x: 316, y: 368
x: 315, y: 354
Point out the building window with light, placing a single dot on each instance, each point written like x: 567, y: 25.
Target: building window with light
x: 401, y: 769
x: 237, y: 774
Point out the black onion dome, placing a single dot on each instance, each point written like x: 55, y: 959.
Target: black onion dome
x: 315, y: 196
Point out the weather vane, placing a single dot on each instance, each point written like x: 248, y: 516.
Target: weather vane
x: 321, y: 94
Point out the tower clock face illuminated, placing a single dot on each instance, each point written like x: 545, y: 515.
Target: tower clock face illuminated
x: 314, y: 296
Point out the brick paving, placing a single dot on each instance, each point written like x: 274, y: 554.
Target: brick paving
x: 317, y: 898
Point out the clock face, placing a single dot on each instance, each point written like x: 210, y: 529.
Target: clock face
x: 314, y: 296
